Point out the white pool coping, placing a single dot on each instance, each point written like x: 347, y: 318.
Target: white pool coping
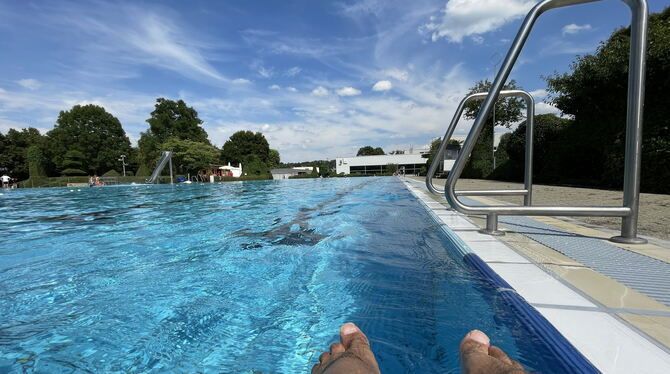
x: 608, y: 343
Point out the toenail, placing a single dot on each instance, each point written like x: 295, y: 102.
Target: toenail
x: 349, y: 328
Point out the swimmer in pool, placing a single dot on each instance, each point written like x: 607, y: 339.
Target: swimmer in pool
x: 352, y: 355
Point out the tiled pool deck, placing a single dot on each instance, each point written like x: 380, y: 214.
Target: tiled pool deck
x: 614, y: 308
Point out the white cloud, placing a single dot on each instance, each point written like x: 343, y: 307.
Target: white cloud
x: 6, y: 124
x: 363, y: 7
x: 31, y: 84
x: 292, y: 72
x: 382, y: 86
x: 265, y: 72
x: 397, y: 74
x: 320, y: 91
x: 117, y: 38
x: 463, y: 18
x: 477, y: 39
x: 546, y: 108
x: 539, y: 93
x: 291, y: 89
x: 241, y: 81
x: 573, y: 29
x: 568, y: 47
x: 348, y: 91
x: 275, y: 87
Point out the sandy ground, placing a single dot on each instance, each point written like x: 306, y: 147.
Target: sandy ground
x: 654, y: 218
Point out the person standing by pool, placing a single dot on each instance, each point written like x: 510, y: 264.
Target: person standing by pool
x: 5, y: 180
x: 352, y: 355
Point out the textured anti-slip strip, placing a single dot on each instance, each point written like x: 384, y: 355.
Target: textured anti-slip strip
x: 572, y: 360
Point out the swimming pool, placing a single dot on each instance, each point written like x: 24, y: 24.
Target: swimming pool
x: 251, y: 277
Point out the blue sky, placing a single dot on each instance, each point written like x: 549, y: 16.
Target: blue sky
x: 318, y: 78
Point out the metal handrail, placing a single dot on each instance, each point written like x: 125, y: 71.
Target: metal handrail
x: 527, y: 192
x: 631, y: 195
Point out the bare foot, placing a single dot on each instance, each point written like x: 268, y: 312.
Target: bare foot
x: 479, y: 356
x: 352, y: 355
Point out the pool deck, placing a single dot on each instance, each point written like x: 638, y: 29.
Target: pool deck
x: 611, y: 301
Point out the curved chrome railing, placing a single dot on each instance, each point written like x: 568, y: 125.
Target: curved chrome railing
x: 527, y: 192
x: 631, y: 199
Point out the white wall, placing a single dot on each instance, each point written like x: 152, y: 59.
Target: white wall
x: 344, y: 164
x: 448, y: 164
x: 281, y: 176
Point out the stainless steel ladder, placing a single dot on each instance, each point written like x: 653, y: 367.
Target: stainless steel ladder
x: 631, y: 194
x: 527, y: 192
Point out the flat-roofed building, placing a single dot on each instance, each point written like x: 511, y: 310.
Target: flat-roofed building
x: 409, y: 162
x: 286, y: 173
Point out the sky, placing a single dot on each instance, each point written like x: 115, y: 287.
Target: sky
x: 319, y: 78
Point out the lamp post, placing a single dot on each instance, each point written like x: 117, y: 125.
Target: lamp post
x: 495, y: 68
x: 123, y: 164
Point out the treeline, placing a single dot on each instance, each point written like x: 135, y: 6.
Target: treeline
x: 326, y: 167
x: 587, y: 147
x: 87, y: 140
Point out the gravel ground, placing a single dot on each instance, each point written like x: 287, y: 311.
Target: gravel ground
x: 654, y: 218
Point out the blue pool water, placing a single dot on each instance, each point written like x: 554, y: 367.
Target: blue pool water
x: 237, y: 278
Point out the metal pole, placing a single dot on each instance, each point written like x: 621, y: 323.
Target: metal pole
x: 171, y: 179
x: 493, y: 142
x: 530, y: 141
x: 634, y: 120
x: 122, y: 158
x: 492, y: 226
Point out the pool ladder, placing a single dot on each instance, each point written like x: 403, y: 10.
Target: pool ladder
x: 631, y: 195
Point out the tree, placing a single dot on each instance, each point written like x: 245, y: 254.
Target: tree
x: 92, y: 131
x: 501, y: 151
x: 434, y: 147
x: 244, y: 144
x: 507, y: 112
x: 391, y: 168
x: 326, y: 167
x: 254, y: 166
x: 190, y: 156
x: 370, y: 151
x: 36, y: 160
x: 595, y: 93
x: 72, y: 163
x: 14, y: 151
x: 170, y: 119
x: 547, y: 135
x: 274, y: 159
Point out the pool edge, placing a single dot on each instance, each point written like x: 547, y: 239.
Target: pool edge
x: 572, y: 359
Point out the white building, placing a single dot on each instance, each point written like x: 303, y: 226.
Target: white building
x: 231, y: 171
x: 279, y: 174
x: 307, y: 168
x: 410, y: 163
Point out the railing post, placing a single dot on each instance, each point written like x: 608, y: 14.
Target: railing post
x: 492, y: 226
x: 171, y: 179
x: 633, y: 156
x: 530, y: 141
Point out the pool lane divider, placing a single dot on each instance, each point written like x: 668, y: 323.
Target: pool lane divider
x: 573, y: 361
